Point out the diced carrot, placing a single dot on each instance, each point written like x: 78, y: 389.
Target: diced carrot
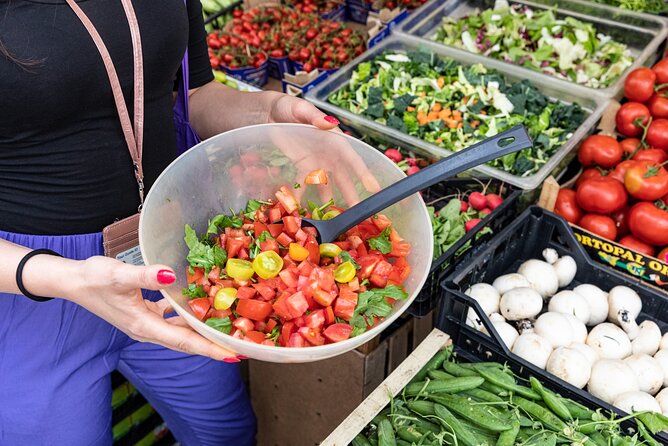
x: 439, y: 140
x: 410, y: 109
x: 440, y: 82
x: 447, y: 113
x: 460, y: 125
x: 457, y: 115
x: 432, y: 116
x: 423, y: 93
x: 452, y: 124
x: 475, y: 124
x: 437, y: 107
x: 483, y: 112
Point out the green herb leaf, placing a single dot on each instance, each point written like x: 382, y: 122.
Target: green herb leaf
x: 653, y: 421
x: 193, y: 291
x: 382, y: 242
x: 201, y: 254
x: 275, y: 333
x: 346, y: 257
x: 222, y: 221
x: 220, y: 324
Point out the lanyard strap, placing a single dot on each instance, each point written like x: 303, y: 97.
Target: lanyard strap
x: 133, y: 138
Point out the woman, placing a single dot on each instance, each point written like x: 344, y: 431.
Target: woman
x: 65, y: 174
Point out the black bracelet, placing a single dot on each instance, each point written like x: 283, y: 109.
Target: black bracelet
x: 19, y: 273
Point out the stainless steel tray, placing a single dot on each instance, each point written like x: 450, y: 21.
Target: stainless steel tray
x: 644, y: 34
x: 594, y: 105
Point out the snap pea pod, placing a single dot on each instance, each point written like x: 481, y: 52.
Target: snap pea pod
x: 646, y: 435
x: 482, y: 395
x: 507, y: 438
x: 423, y: 408
x: 500, y: 379
x: 386, y: 433
x: 424, y: 426
x: 483, y: 416
x: 434, y: 363
x: 381, y: 416
x: 459, y: 371
x: 547, y: 418
x: 360, y: 440
x: 479, y: 365
x: 439, y: 374
x: 577, y: 410
x: 401, y: 442
x: 448, y: 420
x: 481, y: 434
x: 599, y: 439
x: 453, y: 385
x: 544, y: 439
x: 551, y: 400
x: 409, y: 434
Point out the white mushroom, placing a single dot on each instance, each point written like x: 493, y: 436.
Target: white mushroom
x: 597, y: 300
x: 520, y: 303
x: 550, y: 255
x: 609, y: 341
x: 554, y: 327
x: 578, y: 329
x: 507, y: 282
x: 504, y: 329
x: 541, y: 275
x: 662, y: 399
x: 588, y: 352
x: 611, y: 378
x: 631, y: 402
x: 664, y: 342
x: 533, y: 348
x: 662, y: 357
x: 570, y: 302
x: 648, y: 371
x: 648, y: 338
x: 566, y: 269
x: 486, y: 295
x: 624, y: 306
x: 569, y: 365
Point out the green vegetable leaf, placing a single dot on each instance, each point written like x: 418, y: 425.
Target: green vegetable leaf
x: 363, y: 71
x: 403, y: 101
x: 357, y: 331
x: 201, y: 254
x: 275, y: 333
x: 653, y: 421
x: 451, y: 210
x: 222, y: 221
x: 220, y: 324
x: 193, y: 291
x: 382, y: 242
x: 251, y: 207
x: 255, y: 248
x: 346, y: 257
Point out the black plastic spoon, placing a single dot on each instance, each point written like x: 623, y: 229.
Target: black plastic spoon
x: 497, y: 146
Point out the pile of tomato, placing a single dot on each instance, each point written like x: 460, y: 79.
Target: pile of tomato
x: 404, y: 4
x: 268, y: 281
x: 622, y: 194
x: 233, y: 52
x: 319, y: 7
x: 280, y: 31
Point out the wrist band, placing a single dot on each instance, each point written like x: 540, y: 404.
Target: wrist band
x: 19, y: 273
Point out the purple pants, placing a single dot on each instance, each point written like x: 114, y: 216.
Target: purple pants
x: 55, y: 365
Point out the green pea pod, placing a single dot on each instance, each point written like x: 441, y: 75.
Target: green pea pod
x: 424, y: 427
x: 483, y: 436
x: 453, y: 385
x: 551, y: 400
x: 478, y: 365
x: 482, y: 395
x: 500, y: 379
x: 360, y: 440
x: 598, y: 439
x: 409, y: 434
x: 577, y: 411
x: 507, y: 438
x: 386, y: 434
x: 457, y: 370
x: 439, y: 374
x: 646, y: 435
x: 381, y: 416
x: 544, y: 439
x: 549, y: 420
x: 524, y: 421
x: 401, y: 442
x: 481, y: 415
x: 434, y: 363
x: 423, y: 408
x: 448, y: 420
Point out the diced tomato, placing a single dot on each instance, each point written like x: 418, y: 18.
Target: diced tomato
x: 255, y: 336
x: 313, y: 252
x: 269, y: 245
x: 292, y: 224
x: 271, y: 324
x: 287, y: 199
x: 213, y: 290
x: 234, y: 232
x: 315, y: 319
x: 274, y: 216
x: 296, y: 340
x: 381, y: 221
x: 400, y: 271
x: 305, y: 268
x: 197, y: 274
x: 221, y: 313
x: 224, y: 283
x: 266, y: 291
x: 290, y: 306
x: 286, y: 330
x: 275, y: 229
x: 222, y: 240
x: 233, y: 246
x: 245, y: 292
x: 329, y: 315
x: 367, y: 230
x: 361, y: 251
x: 284, y: 239
x: 337, y: 332
x: 214, y: 273
x: 355, y: 241
x: 354, y: 284
x: 346, y: 245
x: 301, y: 236
x: 310, y: 230
x: 344, y: 305
x: 324, y: 298
x: 400, y: 249
x: 269, y: 342
x: 261, y: 326
x: 300, y: 321
x: 258, y: 228
x: 380, y: 274
x: 312, y: 336
x: 367, y: 265
x: 200, y: 307
x: 243, y: 324
x: 243, y: 254
x: 289, y: 278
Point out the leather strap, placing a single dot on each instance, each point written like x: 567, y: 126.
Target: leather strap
x: 134, y: 138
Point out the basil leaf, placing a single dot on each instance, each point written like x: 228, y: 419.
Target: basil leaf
x: 221, y: 324
x: 193, y: 291
x: 382, y: 242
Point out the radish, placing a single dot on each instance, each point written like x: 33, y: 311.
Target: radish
x: 413, y: 169
x: 471, y: 224
x: 477, y: 201
x: 464, y: 206
x: 394, y: 155
x: 493, y: 201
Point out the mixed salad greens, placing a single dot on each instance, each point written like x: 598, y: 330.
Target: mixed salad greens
x: 453, y: 106
x: 565, y: 48
x: 651, y: 6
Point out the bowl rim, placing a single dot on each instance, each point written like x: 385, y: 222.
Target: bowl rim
x: 304, y: 351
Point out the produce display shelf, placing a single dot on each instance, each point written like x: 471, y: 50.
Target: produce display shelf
x: 500, y: 217
x: 594, y: 105
x: 644, y: 34
x: 524, y: 239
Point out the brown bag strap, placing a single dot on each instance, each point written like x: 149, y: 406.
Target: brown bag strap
x: 134, y: 138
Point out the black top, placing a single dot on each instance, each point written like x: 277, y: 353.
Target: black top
x: 64, y: 165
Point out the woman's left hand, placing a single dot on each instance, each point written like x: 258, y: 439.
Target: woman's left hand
x: 286, y: 108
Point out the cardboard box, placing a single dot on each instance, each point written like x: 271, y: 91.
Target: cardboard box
x: 300, y: 404
x: 299, y: 83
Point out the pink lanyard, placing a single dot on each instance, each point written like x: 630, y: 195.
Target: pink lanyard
x: 134, y: 138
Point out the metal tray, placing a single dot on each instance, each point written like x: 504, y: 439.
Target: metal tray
x: 594, y: 105
x: 644, y: 34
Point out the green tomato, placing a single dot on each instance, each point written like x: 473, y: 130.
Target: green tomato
x: 268, y: 264
x: 224, y: 298
x: 329, y: 250
x: 345, y: 272
x: 239, y: 269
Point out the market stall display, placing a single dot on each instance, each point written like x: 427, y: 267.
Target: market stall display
x: 650, y: 6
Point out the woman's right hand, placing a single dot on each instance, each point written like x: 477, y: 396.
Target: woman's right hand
x: 111, y: 290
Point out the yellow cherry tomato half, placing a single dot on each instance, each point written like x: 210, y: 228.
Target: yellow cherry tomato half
x: 345, y: 272
x: 239, y: 269
x: 268, y: 264
x: 329, y: 250
x: 297, y: 252
x: 224, y: 298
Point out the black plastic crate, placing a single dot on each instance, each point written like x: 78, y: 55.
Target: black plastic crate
x: 500, y: 217
x: 535, y: 230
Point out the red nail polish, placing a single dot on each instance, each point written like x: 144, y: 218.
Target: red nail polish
x: 166, y: 277
x: 231, y: 360
x: 332, y: 120
x: 242, y: 357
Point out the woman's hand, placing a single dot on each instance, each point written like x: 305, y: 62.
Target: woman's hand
x: 286, y: 108
x: 111, y: 290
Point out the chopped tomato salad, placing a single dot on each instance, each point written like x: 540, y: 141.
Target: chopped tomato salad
x: 271, y: 283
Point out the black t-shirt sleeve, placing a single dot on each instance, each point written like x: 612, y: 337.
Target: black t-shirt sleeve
x: 198, y: 56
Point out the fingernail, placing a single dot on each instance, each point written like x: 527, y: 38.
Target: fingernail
x: 332, y: 120
x: 242, y: 357
x: 166, y: 277
x: 231, y: 360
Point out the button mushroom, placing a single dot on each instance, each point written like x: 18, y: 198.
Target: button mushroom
x: 520, y: 303
x: 554, y: 327
x: 624, y: 306
x: 631, y: 402
x: 609, y: 341
x: 541, y: 275
x: 570, y: 302
x: 648, y: 338
x: 533, y: 348
x: 570, y: 365
x: 648, y: 371
x: 507, y: 282
x: 597, y: 300
x: 610, y: 378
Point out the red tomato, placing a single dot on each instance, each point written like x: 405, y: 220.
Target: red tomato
x: 312, y: 336
x: 601, y: 195
x: 200, y: 307
x: 296, y: 340
x: 256, y: 310
x: 657, y: 156
x: 661, y: 71
x: 337, y: 332
x: 344, y: 305
x: 567, y: 206
x: 600, y: 225
x: 646, y: 181
x: 620, y: 170
x: 243, y: 324
x: 593, y: 172
x: 255, y: 336
x: 621, y: 218
x: 637, y: 245
x: 639, y: 84
x: 245, y: 292
x: 658, y: 106
x: 629, y: 145
x: 318, y: 176
x: 197, y: 274
x: 649, y: 223
x: 663, y: 255
x: 629, y: 115
x: 367, y: 265
x: 315, y: 319
x: 400, y: 249
x: 657, y: 134
x: 600, y: 150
